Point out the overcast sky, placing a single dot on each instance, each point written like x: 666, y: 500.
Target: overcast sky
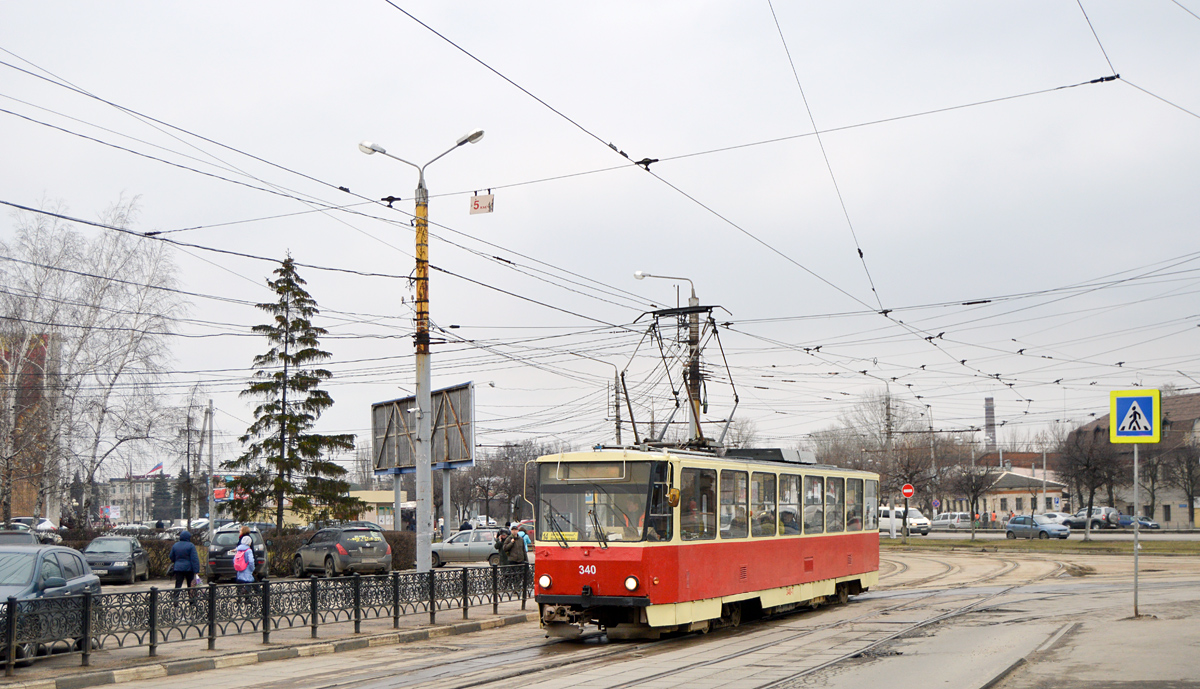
x: 963, y: 150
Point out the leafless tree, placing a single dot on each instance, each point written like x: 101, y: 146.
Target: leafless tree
x: 105, y: 308
x: 972, y: 482
x: 872, y: 435
x: 742, y: 433
x: 1088, y: 460
x: 1183, y: 471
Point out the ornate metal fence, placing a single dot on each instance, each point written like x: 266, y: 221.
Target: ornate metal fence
x: 160, y: 616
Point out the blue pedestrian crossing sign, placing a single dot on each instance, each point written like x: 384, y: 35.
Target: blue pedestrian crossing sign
x: 1134, y: 416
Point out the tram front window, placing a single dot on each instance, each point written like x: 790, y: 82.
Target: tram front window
x: 600, y: 501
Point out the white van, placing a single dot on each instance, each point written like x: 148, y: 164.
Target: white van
x: 917, y: 523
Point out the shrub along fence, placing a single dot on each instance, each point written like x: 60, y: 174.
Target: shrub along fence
x: 154, y: 617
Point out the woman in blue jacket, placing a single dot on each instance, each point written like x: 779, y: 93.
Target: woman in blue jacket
x: 185, y: 559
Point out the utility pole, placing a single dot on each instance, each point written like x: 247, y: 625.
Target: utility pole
x: 617, y: 402
x: 211, y: 514
x: 887, y: 455
x: 693, y: 377
x: 200, y: 451
x: 1043, y: 505
x: 932, y: 455
x: 423, y: 449
x: 187, y: 463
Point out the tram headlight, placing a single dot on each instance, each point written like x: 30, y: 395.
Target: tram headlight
x: 544, y: 581
x: 631, y: 583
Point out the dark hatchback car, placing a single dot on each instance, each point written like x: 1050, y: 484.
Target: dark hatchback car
x: 118, y: 558
x: 30, y: 572
x: 343, y: 550
x: 220, y: 556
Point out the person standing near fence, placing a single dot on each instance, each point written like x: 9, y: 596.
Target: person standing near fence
x: 524, y: 537
x: 514, y: 546
x: 243, y: 558
x: 243, y: 567
x: 185, y: 561
x: 498, y: 544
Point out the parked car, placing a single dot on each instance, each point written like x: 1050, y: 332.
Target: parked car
x: 1058, y: 517
x: 917, y: 523
x: 32, y: 572
x: 1035, y: 526
x: 18, y: 537
x: 134, y: 530
x: 343, y: 550
x: 1143, y: 522
x: 476, y: 545
x: 119, y: 558
x: 22, y: 524
x: 1101, y: 518
x: 369, y: 525
x: 220, y: 555
x: 950, y: 521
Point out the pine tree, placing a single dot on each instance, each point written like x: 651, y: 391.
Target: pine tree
x: 162, y: 499
x: 284, y: 461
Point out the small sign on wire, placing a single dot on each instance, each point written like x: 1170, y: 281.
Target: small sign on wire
x: 482, y: 203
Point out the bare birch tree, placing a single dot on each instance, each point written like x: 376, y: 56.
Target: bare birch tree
x: 104, y: 308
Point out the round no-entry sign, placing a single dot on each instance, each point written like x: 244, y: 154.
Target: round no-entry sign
x: 908, y: 491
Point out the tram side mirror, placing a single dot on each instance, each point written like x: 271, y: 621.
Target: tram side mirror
x: 673, y: 497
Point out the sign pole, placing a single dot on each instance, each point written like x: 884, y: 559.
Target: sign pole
x: 1135, y: 416
x: 1136, y: 545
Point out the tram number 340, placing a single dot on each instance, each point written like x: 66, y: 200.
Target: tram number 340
x: 587, y: 569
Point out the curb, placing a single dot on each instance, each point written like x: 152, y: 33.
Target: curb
x: 82, y: 680
x: 1046, y: 645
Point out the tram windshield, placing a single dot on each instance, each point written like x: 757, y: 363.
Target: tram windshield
x: 603, y: 501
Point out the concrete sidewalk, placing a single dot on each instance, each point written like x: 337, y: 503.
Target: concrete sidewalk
x: 116, y: 665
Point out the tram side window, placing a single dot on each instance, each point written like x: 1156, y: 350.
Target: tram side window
x: 835, y: 505
x: 814, y: 504
x: 762, y: 504
x: 871, y: 504
x: 661, y: 524
x: 789, y: 504
x: 698, y: 504
x: 854, y: 504
x: 734, y: 498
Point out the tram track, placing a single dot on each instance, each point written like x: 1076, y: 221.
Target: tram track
x: 762, y: 627
x: 452, y: 668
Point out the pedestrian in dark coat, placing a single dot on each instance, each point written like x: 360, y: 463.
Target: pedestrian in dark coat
x: 514, y: 546
x: 499, y: 545
x: 185, y: 559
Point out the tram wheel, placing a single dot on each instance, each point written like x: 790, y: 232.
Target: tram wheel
x: 732, y: 614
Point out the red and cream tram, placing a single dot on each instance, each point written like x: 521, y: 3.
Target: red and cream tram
x: 644, y: 542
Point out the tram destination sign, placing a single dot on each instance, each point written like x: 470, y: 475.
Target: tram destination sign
x: 1135, y: 416
x: 394, y: 431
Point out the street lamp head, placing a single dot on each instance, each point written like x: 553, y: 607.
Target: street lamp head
x: 639, y: 275
x: 370, y: 148
x: 471, y: 138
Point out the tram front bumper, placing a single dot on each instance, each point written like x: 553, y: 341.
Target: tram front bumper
x: 594, y: 601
